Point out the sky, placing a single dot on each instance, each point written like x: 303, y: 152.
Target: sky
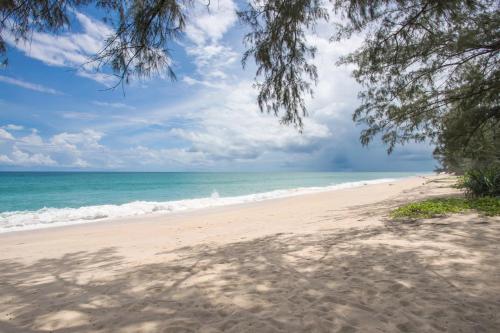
x: 57, y: 114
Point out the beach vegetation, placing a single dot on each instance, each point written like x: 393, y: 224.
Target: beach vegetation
x: 457, y: 153
x: 481, y: 182
x: 438, y: 207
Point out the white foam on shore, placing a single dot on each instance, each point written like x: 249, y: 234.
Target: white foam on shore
x: 53, y: 217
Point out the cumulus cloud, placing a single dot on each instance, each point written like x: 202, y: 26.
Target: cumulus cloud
x: 59, y: 150
x: 29, y: 85
x: 81, y: 163
x: 209, y: 24
x: 5, y: 160
x: 68, y: 49
x: 5, y: 135
x: 230, y: 127
x: 33, y: 139
x: 205, y: 31
x: 22, y: 158
x: 88, y: 139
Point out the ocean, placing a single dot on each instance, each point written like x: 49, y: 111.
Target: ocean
x: 32, y: 200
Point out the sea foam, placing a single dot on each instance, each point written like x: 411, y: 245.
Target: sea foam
x: 52, y: 217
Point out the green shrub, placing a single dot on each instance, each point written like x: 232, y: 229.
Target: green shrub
x: 481, y: 182
x: 487, y: 205
x: 442, y: 206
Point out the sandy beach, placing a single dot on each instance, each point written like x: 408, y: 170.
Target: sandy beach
x: 324, y: 262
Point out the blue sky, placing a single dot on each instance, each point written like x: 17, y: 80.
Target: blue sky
x: 56, y: 114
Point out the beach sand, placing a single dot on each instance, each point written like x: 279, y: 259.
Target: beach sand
x: 324, y: 262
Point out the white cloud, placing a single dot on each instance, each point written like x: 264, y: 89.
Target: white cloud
x: 69, y: 49
x: 231, y: 128
x: 205, y: 31
x: 13, y: 127
x: 114, y: 105
x: 88, y: 139
x: 32, y: 139
x: 60, y: 150
x: 22, y: 158
x: 29, y: 85
x: 170, y: 158
x: 209, y: 24
x: 205, y: 82
x: 5, y: 135
x: 103, y: 78
x: 5, y: 160
x: 81, y: 163
x: 212, y: 59
x: 95, y: 31
x: 79, y: 115
x: 220, y: 125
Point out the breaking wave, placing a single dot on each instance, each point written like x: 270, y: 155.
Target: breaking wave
x: 52, y: 217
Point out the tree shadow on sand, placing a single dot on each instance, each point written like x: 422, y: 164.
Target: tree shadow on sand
x: 380, y: 279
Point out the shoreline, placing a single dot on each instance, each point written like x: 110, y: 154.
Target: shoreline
x: 184, y: 205
x: 148, y: 225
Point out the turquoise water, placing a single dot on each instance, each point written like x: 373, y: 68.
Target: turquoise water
x: 31, y: 198
x: 32, y: 191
